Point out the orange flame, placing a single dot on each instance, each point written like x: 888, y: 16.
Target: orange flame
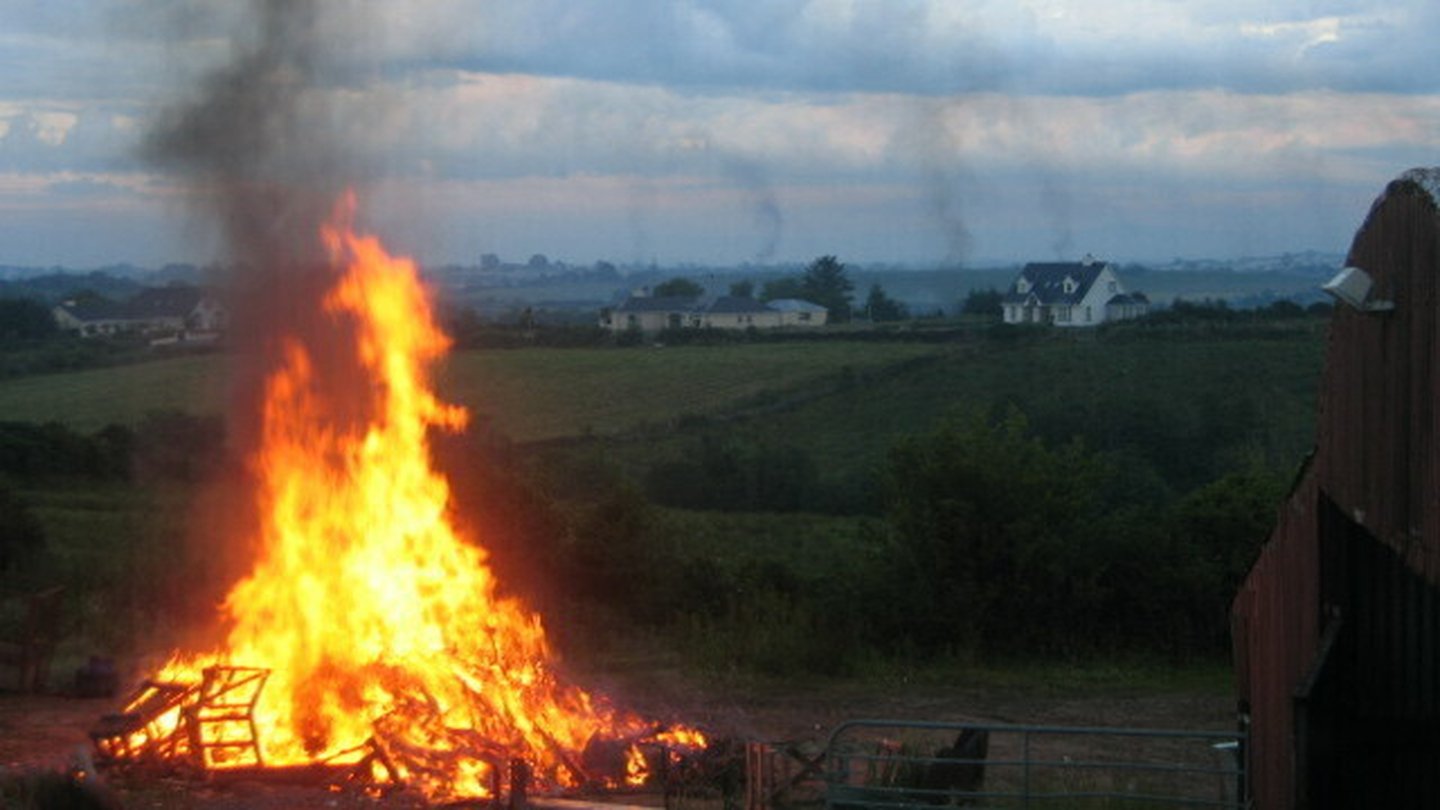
x: 378, y: 623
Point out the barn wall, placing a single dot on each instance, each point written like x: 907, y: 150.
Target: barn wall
x: 1275, y: 635
x: 1376, y: 454
x: 1376, y: 464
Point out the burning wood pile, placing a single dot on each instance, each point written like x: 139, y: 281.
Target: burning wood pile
x: 369, y: 640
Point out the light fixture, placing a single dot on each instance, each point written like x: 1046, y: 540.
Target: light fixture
x: 1352, y: 287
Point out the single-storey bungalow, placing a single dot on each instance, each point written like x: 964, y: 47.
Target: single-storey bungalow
x: 177, y: 310
x: 647, y: 313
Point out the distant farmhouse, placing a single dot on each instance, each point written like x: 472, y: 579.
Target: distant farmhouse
x: 646, y: 313
x: 173, y: 313
x: 1084, y: 293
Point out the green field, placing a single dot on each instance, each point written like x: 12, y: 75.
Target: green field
x: 535, y: 394
x: 89, y: 400
x: 1190, y: 405
x: 526, y: 394
x: 779, y: 588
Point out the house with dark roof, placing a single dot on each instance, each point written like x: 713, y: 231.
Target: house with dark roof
x: 646, y: 313
x: 649, y: 313
x: 169, y: 311
x: 733, y: 312
x: 91, y: 317
x: 1083, y: 293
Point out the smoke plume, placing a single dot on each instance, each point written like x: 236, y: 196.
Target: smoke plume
x: 764, y: 207
x: 938, y: 147
x: 259, y: 149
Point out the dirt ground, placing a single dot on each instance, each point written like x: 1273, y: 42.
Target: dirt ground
x: 44, y: 733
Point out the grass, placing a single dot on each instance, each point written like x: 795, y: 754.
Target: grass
x: 130, y: 558
x: 89, y: 400
x: 1173, y: 390
x: 536, y: 394
x: 1100, y: 676
x: 526, y: 394
x: 844, y: 404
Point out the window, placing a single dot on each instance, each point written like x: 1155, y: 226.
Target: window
x: 1062, y: 314
x: 1068, y: 285
x: 1111, y: 286
x: 1022, y: 286
x: 1087, y: 314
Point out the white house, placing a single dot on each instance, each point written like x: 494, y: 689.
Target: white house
x: 1084, y: 293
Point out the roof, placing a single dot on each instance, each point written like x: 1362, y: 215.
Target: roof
x: 165, y: 302
x: 796, y: 305
x: 1047, y: 281
x: 94, y: 309
x: 149, y: 304
x: 1128, y: 298
x: 731, y: 304
x: 1428, y: 179
x: 663, y: 303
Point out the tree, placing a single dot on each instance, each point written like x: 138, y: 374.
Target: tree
x: 1283, y: 308
x: 826, y: 284
x: 994, y: 531
x: 679, y: 287
x: 21, y: 534
x: 538, y: 262
x: 881, y: 308
x: 743, y: 289
x: 784, y: 287
x: 25, y: 319
x: 983, y: 302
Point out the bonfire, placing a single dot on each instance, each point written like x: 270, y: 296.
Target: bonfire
x: 369, y: 633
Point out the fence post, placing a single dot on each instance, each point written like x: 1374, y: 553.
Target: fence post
x: 1025, y: 758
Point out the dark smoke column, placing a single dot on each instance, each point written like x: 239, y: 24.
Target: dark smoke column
x: 261, y: 159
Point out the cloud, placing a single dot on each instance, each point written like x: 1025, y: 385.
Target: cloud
x: 49, y: 136
x: 931, y: 47
x: 774, y: 123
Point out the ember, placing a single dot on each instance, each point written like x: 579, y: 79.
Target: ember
x: 369, y: 635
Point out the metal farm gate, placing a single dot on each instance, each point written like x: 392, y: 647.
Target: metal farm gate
x: 894, y: 765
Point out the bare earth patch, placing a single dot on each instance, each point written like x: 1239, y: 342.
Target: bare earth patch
x: 44, y: 732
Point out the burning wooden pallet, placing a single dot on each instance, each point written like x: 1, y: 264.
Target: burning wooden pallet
x: 207, y: 725
x: 208, y: 728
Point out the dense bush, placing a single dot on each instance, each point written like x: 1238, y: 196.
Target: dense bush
x: 31, y: 452
x: 179, y: 446
x: 1006, y: 544
x: 21, y: 535
x: 25, y: 319
x: 737, y: 477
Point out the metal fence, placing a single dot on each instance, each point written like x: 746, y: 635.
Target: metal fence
x: 895, y: 765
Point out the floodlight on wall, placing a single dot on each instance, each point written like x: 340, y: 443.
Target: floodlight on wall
x: 1352, y: 287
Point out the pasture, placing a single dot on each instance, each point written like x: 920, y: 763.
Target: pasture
x: 525, y: 394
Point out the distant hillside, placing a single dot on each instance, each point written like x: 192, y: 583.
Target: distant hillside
x: 53, y: 288
x: 116, y: 282
x: 1310, y: 263
x: 499, y: 289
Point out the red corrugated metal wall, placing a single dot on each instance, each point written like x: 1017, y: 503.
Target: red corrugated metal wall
x: 1275, y: 641
x: 1376, y: 461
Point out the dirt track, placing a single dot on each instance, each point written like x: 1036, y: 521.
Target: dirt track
x: 44, y: 732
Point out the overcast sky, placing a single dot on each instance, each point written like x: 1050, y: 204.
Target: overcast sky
x: 727, y: 131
